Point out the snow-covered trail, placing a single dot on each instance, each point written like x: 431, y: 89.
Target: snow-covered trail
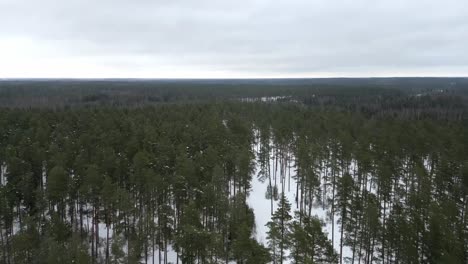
x: 262, y: 206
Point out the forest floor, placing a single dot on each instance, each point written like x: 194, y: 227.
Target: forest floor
x: 261, y: 205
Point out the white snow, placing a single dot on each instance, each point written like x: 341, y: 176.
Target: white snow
x: 3, y: 171
x: 171, y: 256
x: 262, y: 206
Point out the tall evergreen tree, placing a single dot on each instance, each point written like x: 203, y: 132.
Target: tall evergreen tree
x: 278, y: 230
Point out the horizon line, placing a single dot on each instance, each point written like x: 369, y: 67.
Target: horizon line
x: 228, y: 78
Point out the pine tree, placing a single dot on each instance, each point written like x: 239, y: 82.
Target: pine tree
x: 308, y: 242
x: 343, y: 202
x: 277, y: 234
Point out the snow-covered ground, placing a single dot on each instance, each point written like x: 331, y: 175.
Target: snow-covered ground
x: 171, y: 256
x: 3, y: 170
x: 257, y: 200
x: 262, y: 206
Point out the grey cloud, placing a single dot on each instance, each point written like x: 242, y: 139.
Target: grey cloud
x: 360, y: 37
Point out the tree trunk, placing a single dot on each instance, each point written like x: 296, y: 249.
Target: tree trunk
x: 333, y: 207
x: 92, y: 238
x: 3, y: 246
x: 341, y: 239
x: 96, y: 222
x: 107, y: 239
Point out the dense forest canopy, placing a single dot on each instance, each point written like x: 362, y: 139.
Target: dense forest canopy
x: 356, y: 92
x: 146, y: 171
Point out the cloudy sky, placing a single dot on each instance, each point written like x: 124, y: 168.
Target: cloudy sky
x: 235, y: 39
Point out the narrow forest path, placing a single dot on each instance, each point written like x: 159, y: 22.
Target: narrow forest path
x: 261, y: 205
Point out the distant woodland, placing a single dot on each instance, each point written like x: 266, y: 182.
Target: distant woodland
x: 131, y: 171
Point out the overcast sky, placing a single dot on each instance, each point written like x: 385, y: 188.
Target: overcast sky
x: 234, y: 39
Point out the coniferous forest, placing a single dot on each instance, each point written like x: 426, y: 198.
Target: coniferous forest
x: 234, y: 171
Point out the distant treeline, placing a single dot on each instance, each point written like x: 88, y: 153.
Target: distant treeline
x: 418, y: 98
